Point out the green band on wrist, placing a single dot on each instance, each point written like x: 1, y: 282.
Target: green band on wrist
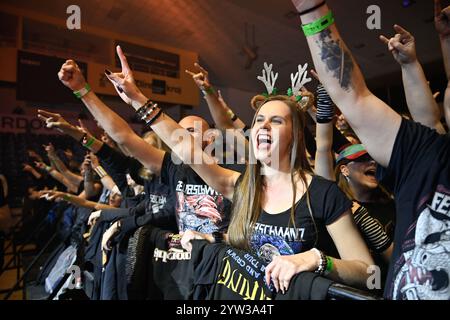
x: 66, y: 197
x: 90, y: 142
x: 208, y: 90
x: 318, y: 25
x: 329, y: 264
x: 82, y: 92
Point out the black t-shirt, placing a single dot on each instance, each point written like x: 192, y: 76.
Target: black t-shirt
x: 275, y: 235
x: 198, y: 206
x: 118, y: 165
x: 419, y: 176
x: 157, y: 208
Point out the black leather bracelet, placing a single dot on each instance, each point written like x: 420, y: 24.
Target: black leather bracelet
x: 312, y: 9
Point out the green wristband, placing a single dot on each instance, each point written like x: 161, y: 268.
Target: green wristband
x: 82, y: 92
x: 329, y: 264
x: 208, y: 90
x: 66, y: 197
x: 90, y: 142
x: 318, y: 25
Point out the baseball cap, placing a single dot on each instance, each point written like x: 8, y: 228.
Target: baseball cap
x: 351, y: 153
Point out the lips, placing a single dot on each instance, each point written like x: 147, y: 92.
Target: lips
x: 370, y: 172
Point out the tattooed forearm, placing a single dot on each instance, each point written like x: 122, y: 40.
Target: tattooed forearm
x: 338, y: 60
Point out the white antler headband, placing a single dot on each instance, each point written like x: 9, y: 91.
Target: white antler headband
x: 268, y: 78
x: 299, y: 79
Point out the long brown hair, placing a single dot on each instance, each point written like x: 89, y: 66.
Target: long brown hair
x: 247, y: 194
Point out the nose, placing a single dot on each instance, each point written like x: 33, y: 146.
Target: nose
x: 266, y: 124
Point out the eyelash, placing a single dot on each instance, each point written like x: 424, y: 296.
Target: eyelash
x: 277, y: 121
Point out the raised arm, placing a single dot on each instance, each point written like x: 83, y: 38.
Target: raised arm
x: 30, y: 169
x: 375, y: 123
x: 113, y: 124
x: 442, y: 24
x: 179, y: 140
x: 217, y: 110
x: 420, y: 100
x: 323, y: 165
x: 91, y: 187
x: 105, y: 178
x: 76, y: 200
x: 223, y: 116
x: 79, y: 133
x: 55, y: 174
x: 74, y: 179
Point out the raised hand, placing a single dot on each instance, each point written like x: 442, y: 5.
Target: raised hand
x: 402, y: 45
x: 40, y: 165
x: 441, y: 19
x: 71, y: 76
x: 52, y: 195
x: 201, y: 77
x: 124, y: 82
x: 27, y: 167
x: 94, y: 160
x: 32, y: 154
x: 50, y: 149
x: 55, y: 120
x: 87, y: 164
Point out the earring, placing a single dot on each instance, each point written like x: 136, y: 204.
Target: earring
x: 347, y: 178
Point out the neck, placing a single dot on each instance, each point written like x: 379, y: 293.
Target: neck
x: 276, y: 173
x: 362, y: 194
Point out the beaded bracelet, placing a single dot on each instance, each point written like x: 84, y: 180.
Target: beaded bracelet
x: 321, y: 268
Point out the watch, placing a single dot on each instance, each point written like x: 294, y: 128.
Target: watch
x: 218, y: 237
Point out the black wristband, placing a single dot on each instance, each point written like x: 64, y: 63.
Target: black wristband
x: 312, y: 9
x: 234, y: 118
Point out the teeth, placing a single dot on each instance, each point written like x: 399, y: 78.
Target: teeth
x: 419, y: 272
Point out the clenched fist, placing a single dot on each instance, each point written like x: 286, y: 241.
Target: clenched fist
x: 71, y: 76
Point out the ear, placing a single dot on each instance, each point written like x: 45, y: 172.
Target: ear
x: 344, y: 170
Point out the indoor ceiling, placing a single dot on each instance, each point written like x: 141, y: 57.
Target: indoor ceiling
x: 215, y: 29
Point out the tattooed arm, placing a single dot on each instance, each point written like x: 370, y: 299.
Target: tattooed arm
x: 375, y: 123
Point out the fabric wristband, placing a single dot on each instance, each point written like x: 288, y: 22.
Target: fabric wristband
x: 89, y: 143
x: 318, y: 25
x: 66, y: 197
x: 325, y: 109
x: 208, y: 90
x: 82, y: 92
x: 329, y: 268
